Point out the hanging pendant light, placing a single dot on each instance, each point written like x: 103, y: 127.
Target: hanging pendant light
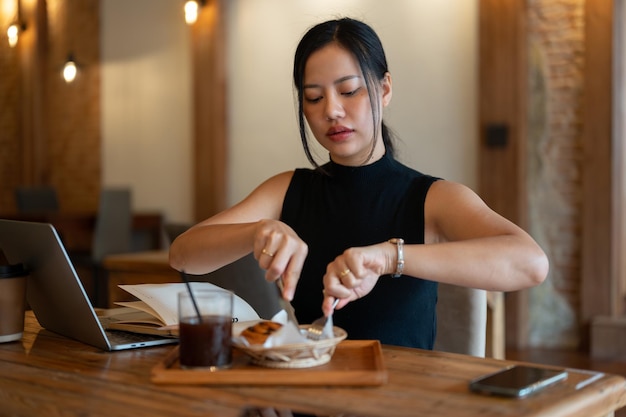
x: 69, y: 69
x: 16, y: 27
x: 192, y: 9
x: 13, y: 33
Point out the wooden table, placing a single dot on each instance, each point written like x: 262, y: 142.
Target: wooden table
x: 47, y: 374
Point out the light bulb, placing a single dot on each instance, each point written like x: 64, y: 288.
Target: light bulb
x: 69, y: 71
x: 191, y: 11
x: 13, y: 33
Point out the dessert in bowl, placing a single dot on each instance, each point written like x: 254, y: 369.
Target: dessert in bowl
x: 277, y: 345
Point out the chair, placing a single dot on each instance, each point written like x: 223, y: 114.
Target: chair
x: 245, y: 278
x: 461, y: 312
x: 113, y: 230
x: 461, y: 320
x: 36, y: 199
x: 112, y: 235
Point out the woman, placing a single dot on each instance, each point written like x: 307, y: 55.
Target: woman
x: 362, y: 227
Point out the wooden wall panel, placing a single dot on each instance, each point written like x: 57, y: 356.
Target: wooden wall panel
x: 53, y: 128
x: 618, y: 240
x: 210, y: 135
x: 502, y: 109
x: 597, y: 287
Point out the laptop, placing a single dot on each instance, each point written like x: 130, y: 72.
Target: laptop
x: 54, y: 290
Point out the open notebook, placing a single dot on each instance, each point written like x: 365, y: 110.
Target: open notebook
x: 55, y: 292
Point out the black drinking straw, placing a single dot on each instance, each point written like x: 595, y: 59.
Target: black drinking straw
x: 183, y: 275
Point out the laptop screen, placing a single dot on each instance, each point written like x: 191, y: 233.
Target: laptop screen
x: 54, y: 290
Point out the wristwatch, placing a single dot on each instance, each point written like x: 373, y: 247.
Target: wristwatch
x: 400, y: 262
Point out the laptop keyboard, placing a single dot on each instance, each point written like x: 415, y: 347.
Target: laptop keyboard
x: 119, y: 337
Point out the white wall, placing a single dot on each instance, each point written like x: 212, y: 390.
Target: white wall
x: 146, y: 104
x: 431, y: 47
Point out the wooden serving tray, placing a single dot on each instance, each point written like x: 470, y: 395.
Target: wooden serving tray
x: 355, y: 363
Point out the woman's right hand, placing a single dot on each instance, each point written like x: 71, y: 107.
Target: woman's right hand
x: 281, y: 253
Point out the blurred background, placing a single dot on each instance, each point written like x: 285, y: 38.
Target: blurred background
x: 520, y: 100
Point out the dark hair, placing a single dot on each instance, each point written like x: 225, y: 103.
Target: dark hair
x: 362, y: 41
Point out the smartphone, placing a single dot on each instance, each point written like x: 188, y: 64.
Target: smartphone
x: 517, y: 381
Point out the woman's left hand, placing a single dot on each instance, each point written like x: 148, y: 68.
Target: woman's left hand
x: 354, y: 273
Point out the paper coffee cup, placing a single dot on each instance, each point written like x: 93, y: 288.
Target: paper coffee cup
x: 12, y: 301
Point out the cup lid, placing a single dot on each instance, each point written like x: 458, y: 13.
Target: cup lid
x: 11, y: 271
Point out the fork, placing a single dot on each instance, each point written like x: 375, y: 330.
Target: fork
x: 316, y: 329
x: 291, y: 314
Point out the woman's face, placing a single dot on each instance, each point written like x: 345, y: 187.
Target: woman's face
x: 337, y: 107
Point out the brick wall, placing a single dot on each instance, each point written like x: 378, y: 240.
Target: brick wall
x: 49, y: 128
x: 555, y: 56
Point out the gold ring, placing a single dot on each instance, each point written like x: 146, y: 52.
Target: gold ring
x: 268, y: 253
x: 344, y: 273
